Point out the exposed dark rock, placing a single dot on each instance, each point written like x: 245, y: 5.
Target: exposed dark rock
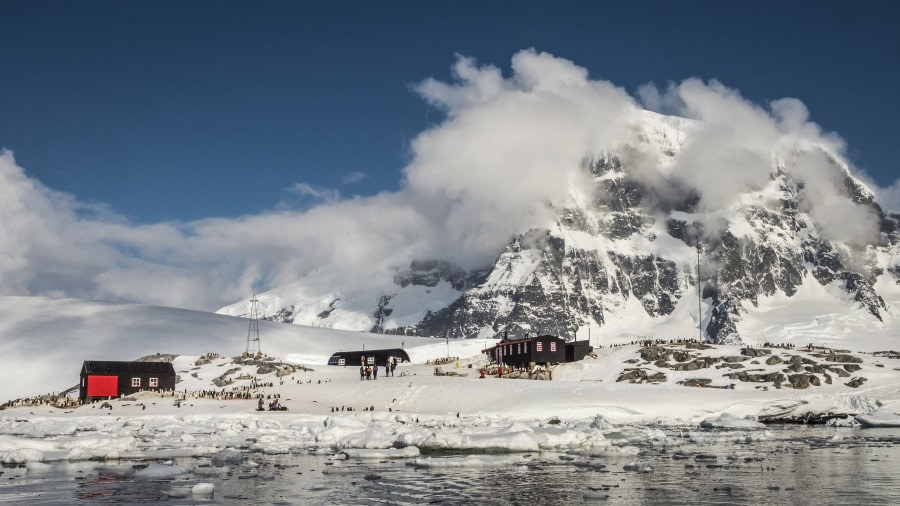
x: 696, y: 382
x: 640, y: 376
x: 801, y: 381
x: 775, y: 377
x: 840, y: 372
x: 569, y: 285
x: 856, y: 382
x: 283, y: 315
x: 381, y: 312
x: 774, y: 360
x: 844, y: 358
x: 326, y: 313
x: 810, y: 418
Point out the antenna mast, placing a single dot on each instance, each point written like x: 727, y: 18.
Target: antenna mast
x: 699, y: 296
x: 253, y: 347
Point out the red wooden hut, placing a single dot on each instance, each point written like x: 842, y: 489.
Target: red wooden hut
x: 105, y: 379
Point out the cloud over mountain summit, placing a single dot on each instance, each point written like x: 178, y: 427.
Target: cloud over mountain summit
x: 509, y: 150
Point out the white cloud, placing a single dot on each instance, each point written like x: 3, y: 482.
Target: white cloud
x: 326, y: 195
x: 353, y: 177
x: 508, y: 147
x: 889, y: 197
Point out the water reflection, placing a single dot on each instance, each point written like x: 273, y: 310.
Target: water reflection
x: 797, y: 465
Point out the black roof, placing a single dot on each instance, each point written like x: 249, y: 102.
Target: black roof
x: 398, y: 352
x: 112, y: 367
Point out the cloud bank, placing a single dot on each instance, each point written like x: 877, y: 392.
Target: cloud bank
x: 509, y: 148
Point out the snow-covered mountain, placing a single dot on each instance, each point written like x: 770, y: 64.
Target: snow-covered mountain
x: 621, y: 258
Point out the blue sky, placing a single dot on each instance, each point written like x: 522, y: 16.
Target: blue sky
x: 186, y: 110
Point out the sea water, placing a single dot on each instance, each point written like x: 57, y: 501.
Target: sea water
x: 792, y: 465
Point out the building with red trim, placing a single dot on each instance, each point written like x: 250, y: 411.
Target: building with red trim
x: 107, y: 379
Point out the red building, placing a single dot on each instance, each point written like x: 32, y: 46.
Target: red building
x: 105, y: 379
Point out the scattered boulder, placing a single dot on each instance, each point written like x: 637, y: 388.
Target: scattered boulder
x: 774, y: 377
x: 795, y: 367
x: 774, y: 360
x: 266, y: 369
x: 681, y: 356
x: 640, y: 376
x: 801, y: 381
x: 689, y: 366
x: 844, y: 358
x: 654, y: 353
x: 284, y: 370
x: 856, y: 382
x: 840, y: 372
x: 696, y: 382
x: 755, y: 352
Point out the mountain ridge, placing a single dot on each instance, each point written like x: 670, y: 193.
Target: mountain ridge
x: 627, y: 233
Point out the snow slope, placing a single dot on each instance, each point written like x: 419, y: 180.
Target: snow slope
x: 43, y: 342
x: 585, y: 408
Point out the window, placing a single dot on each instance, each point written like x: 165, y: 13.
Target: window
x: 342, y: 361
x: 519, y: 348
x: 135, y: 382
x: 552, y: 345
x: 370, y: 360
x: 526, y: 347
x: 538, y: 346
x: 154, y: 382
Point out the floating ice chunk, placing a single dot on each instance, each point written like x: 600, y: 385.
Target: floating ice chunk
x: 227, y: 457
x: 640, y: 467
x: 595, y: 495
x: 335, y: 470
x: 372, y: 438
x: 389, y: 453
x: 632, y: 435
x: 601, y: 423
x: 550, y: 439
x: 160, y: 472
x: 203, y: 489
x: 38, y: 467
x: 842, y: 422
x: 729, y: 421
x: 469, y: 461
x: 21, y: 456
x: 485, y: 441
x: 613, y: 450
x: 880, y: 418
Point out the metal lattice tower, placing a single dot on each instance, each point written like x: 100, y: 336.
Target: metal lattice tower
x: 253, y: 347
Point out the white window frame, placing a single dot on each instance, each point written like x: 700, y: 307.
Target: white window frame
x: 370, y: 360
x: 135, y: 382
x: 526, y: 347
x: 153, y: 383
x: 552, y: 345
x: 538, y: 346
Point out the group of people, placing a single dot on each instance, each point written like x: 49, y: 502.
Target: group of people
x: 275, y: 405
x: 367, y: 372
